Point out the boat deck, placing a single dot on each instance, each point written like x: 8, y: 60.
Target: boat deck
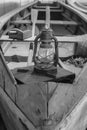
x: 17, y: 55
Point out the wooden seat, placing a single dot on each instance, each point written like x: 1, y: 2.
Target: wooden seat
x: 59, y: 22
x: 72, y: 39
x: 21, y: 22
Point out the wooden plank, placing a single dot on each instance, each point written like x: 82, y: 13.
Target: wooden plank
x: 7, y: 80
x: 66, y: 16
x: 26, y: 16
x: 12, y: 116
x: 76, y: 119
x: 71, y: 39
x: 5, y: 46
x: 47, y: 16
x: 68, y: 39
x: 59, y: 22
x: 58, y: 11
x: 34, y: 14
x: 40, y: 21
x: 21, y: 22
x: 51, y: 10
x: 44, y: 7
x: 6, y: 69
x: 30, y: 55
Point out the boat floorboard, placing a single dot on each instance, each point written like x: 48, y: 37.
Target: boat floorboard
x: 17, y: 54
x: 18, y: 48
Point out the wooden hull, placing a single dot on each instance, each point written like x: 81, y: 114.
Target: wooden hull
x: 29, y: 101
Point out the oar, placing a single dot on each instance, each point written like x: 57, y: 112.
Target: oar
x: 47, y: 23
x: 34, y: 13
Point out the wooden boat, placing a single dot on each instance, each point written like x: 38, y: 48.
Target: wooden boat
x: 49, y: 92
x: 79, y: 5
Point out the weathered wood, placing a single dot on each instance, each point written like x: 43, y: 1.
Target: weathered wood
x: 21, y: 22
x: 13, y: 117
x: 77, y: 120
x: 65, y: 16
x: 34, y: 14
x: 63, y: 104
x: 69, y: 39
x: 77, y: 5
x: 11, y: 14
x: 26, y: 16
x: 77, y: 117
x: 44, y: 7
x: 6, y: 68
x: 8, y: 83
x: 73, y: 38
x: 47, y: 16
x: 30, y: 55
x: 51, y: 9
x: 32, y: 100
x: 63, y: 94
x: 59, y: 22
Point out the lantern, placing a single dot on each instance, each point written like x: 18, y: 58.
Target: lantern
x: 45, y: 54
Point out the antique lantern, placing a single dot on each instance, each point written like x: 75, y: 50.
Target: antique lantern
x: 45, y: 54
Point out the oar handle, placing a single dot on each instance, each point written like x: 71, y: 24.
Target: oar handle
x: 34, y: 14
x: 47, y: 17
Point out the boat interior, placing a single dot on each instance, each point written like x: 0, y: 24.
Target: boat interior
x: 44, y: 101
